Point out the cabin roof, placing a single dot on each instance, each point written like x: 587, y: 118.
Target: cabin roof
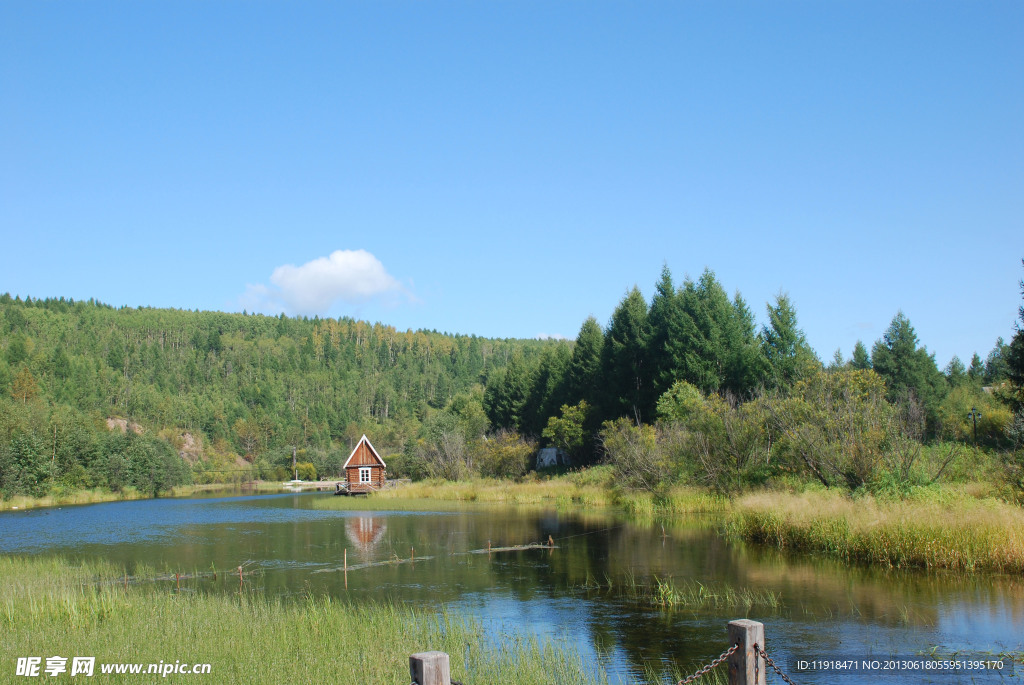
x: 372, y: 451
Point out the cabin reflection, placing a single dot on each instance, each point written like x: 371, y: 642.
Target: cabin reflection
x: 365, y: 532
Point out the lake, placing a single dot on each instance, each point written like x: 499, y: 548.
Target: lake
x: 578, y: 593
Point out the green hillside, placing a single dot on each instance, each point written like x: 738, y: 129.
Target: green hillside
x: 222, y: 390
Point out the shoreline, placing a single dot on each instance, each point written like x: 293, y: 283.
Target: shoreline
x: 932, y: 528
x: 99, y: 496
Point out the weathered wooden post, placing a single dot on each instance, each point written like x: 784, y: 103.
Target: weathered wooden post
x: 746, y: 666
x: 430, y: 668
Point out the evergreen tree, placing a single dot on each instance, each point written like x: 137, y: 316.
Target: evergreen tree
x: 784, y: 344
x: 664, y: 313
x: 746, y: 365
x: 505, y: 397
x: 956, y: 373
x: 697, y: 346
x: 625, y: 371
x: 712, y: 343
x: 861, y: 360
x: 996, y: 367
x: 585, y: 363
x: 906, y: 367
x: 548, y: 390
x: 976, y: 371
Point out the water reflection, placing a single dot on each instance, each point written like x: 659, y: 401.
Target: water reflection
x: 574, y: 592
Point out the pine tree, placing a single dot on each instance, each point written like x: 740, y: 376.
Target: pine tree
x: 585, y: 363
x: 976, y: 371
x: 625, y: 371
x: 665, y: 311
x: 784, y: 344
x: 861, y: 360
x: 906, y: 367
x: 956, y: 373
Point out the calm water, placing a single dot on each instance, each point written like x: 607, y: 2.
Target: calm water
x: 829, y: 610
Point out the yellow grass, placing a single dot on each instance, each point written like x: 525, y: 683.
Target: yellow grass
x: 946, y: 530
x: 18, y: 502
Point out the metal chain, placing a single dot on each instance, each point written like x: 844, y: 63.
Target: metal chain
x: 725, y: 655
x: 768, y: 660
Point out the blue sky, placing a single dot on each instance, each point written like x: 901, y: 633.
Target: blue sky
x: 510, y: 168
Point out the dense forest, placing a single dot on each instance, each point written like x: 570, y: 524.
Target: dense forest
x: 686, y: 388
x: 98, y: 396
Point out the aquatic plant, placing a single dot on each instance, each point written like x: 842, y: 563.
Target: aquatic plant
x: 51, y: 606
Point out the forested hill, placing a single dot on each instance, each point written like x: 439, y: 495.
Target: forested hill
x: 234, y: 383
x: 93, y: 396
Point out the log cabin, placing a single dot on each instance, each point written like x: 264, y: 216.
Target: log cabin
x: 364, y: 470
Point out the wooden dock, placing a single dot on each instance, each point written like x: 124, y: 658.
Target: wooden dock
x: 308, y: 485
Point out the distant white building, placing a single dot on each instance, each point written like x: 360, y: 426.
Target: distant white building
x: 549, y: 457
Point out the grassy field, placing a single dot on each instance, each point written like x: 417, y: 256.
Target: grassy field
x: 587, y: 489
x: 934, y: 528
x: 53, y: 607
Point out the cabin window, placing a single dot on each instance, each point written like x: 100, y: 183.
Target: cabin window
x: 364, y: 475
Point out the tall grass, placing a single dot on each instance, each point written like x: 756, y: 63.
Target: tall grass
x: 560, y: 490
x: 943, y: 529
x: 591, y: 488
x: 51, y: 607
x: 63, y: 497
x: 687, y: 594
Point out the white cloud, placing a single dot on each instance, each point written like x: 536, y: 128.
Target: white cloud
x: 350, y: 276
x: 551, y: 336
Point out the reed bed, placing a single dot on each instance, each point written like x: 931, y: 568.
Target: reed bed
x: 69, y: 497
x: 52, y: 607
x: 687, y: 594
x: 676, y: 501
x: 559, y: 491
x: 581, y: 490
x: 948, y: 530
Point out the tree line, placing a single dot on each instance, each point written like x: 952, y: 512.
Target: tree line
x: 229, y: 396
x: 685, y: 388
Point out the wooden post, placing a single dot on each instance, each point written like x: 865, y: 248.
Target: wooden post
x: 239, y: 578
x: 430, y: 668
x: 177, y: 579
x: 746, y: 667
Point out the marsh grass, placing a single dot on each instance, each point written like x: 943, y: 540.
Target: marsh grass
x: 61, y: 498
x: 587, y: 489
x: 559, y: 490
x: 52, y: 607
x: 932, y: 529
x: 685, y: 594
